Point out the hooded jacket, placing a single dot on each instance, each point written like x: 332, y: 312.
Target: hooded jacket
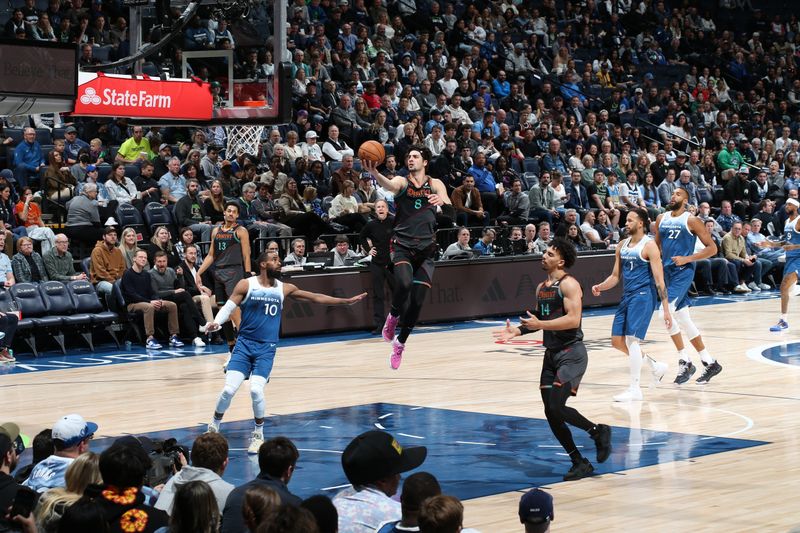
x: 220, y: 487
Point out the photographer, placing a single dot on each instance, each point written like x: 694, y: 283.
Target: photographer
x: 209, y: 459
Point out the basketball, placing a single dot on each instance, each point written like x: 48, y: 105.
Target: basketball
x: 372, y: 151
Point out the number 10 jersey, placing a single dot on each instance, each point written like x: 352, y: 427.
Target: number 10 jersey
x: 261, y: 311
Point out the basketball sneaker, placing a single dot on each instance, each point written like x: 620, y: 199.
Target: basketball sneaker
x: 256, y: 440
x: 213, y: 426
x: 602, y: 441
x: 397, y: 354
x: 685, y: 372
x: 658, y: 371
x: 152, y: 344
x: 175, y: 342
x: 780, y: 326
x: 711, y: 370
x: 630, y: 395
x: 6, y: 357
x: 389, y: 327
x: 581, y: 469
x: 198, y: 342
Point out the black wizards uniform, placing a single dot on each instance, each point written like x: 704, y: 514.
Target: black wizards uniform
x: 414, y: 240
x: 565, y: 358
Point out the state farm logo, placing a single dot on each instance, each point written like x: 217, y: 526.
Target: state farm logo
x: 113, y: 97
x: 89, y: 97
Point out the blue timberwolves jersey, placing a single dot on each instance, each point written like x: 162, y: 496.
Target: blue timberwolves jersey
x: 636, y: 275
x: 676, y: 237
x: 791, y: 236
x: 261, y: 311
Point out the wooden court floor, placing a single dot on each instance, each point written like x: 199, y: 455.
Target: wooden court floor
x: 752, y: 489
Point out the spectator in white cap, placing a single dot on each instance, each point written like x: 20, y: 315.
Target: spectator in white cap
x: 71, y: 436
x: 312, y: 151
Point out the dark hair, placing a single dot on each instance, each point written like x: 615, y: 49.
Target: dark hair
x: 194, y: 509
x: 566, y: 250
x: 42, y: 445
x: 115, y: 166
x: 423, y: 151
x: 124, y: 465
x: 324, y: 512
x: 258, y: 502
x: 643, y: 215
x: 341, y: 238
x: 210, y: 450
x: 276, y: 455
x: 417, y: 488
x: 86, y: 514
x: 5, y: 445
x: 158, y: 254
x: 441, y: 514
x: 289, y: 519
x: 233, y: 203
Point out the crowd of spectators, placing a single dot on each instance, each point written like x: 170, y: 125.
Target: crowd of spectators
x: 138, y: 484
x: 563, y: 113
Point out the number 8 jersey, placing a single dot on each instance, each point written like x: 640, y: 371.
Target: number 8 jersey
x: 261, y: 311
x: 676, y: 238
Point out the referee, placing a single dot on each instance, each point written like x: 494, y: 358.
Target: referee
x: 375, y: 237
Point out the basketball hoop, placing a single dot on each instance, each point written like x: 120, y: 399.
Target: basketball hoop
x: 243, y: 139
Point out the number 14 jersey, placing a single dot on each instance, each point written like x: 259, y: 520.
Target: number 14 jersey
x: 261, y: 311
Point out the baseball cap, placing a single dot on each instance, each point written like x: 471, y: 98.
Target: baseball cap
x: 519, y: 46
x: 744, y: 170
x: 638, y: 91
x: 302, y: 113
x: 435, y: 111
x: 19, y: 441
x: 71, y: 129
x: 91, y: 168
x: 376, y: 454
x: 536, y: 507
x: 733, y: 126
x: 71, y: 429
x: 649, y: 76
x: 163, y: 146
x: 627, y: 126
x: 311, y: 134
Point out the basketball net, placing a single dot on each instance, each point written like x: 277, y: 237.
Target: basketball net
x: 245, y: 139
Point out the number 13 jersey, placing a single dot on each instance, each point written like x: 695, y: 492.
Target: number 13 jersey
x: 676, y: 238
x: 261, y: 311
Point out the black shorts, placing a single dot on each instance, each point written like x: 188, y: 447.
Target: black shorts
x: 565, y: 366
x: 420, y: 259
x: 225, y: 280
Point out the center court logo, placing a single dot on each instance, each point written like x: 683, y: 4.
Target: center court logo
x: 785, y: 354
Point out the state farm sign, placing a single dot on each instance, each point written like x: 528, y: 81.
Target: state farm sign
x: 142, y: 97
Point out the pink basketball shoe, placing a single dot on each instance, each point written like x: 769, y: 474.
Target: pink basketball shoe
x: 389, y: 327
x: 397, y: 354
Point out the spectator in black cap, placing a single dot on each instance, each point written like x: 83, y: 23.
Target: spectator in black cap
x: 11, y: 446
x: 277, y: 458
x: 536, y: 511
x: 373, y: 462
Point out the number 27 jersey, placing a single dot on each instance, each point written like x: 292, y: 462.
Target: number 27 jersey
x: 261, y: 311
x: 676, y: 238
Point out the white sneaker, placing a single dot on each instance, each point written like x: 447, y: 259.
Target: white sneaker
x: 630, y: 395
x: 198, y: 342
x: 764, y: 287
x: 255, y: 443
x: 753, y: 287
x: 213, y: 427
x: 741, y: 288
x: 658, y: 371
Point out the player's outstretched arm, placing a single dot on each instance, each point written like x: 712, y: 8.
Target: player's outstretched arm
x: 393, y: 185
x: 209, y: 259
x: 224, y: 313
x: 611, y: 281
x: 292, y: 291
x: 653, y: 255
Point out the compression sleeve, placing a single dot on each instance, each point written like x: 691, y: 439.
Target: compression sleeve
x: 224, y: 314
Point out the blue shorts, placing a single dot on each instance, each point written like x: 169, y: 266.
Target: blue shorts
x: 252, y: 357
x: 634, y: 314
x: 679, y: 281
x: 792, y: 265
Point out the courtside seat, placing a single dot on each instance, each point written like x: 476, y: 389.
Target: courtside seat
x: 29, y: 301
x: 86, y: 301
x: 61, y: 315
x: 130, y: 217
x: 158, y: 215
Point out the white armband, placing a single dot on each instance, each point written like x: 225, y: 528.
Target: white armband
x: 224, y: 314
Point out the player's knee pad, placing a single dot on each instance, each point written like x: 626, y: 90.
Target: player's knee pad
x: 686, y: 324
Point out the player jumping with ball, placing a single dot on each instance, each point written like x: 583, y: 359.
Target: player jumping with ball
x: 416, y: 199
